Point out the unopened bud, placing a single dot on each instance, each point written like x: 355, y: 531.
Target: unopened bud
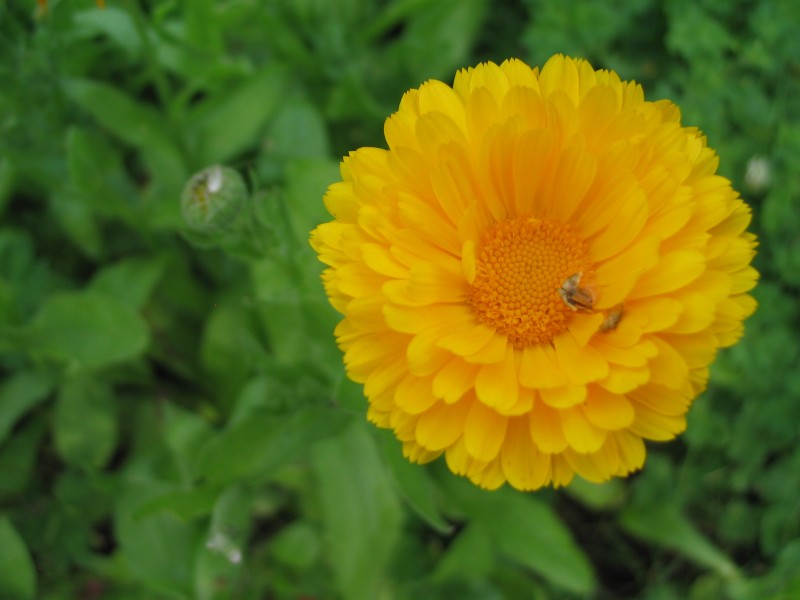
x: 213, y: 199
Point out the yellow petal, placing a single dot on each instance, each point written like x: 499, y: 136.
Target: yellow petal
x: 496, y: 384
x: 667, y: 368
x: 538, y: 368
x: 581, y: 435
x: 484, y: 431
x: 580, y: 364
x: 546, y: 429
x: 441, y: 425
x: 631, y: 451
x: 523, y: 465
x: 606, y: 410
x: 652, y: 425
x: 662, y: 400
x: 453, y: 380
x: 673, y: 271
x: 469, y: 340
x: 622, y: 380
x: 564, y: 396
x: 414, y: 394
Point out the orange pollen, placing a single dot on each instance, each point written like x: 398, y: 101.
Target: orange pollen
x: 520, y: 266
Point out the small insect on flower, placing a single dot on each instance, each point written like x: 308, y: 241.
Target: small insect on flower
x: 613, y: 317
x: 575, y: 296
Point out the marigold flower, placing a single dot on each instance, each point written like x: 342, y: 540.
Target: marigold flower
x: 537, y: 273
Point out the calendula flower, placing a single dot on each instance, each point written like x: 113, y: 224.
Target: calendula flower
x: 537, y: 273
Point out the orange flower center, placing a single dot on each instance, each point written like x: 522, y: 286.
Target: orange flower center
x: 521, y: 286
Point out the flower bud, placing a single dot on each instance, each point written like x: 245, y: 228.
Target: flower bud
x: 213, y: 199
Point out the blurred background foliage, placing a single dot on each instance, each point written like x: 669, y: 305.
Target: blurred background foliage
x: 174, y: 422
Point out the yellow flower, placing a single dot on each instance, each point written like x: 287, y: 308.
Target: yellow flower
x: 537, y: 273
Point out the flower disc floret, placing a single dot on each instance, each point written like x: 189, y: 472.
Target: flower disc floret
x: 521, y: 265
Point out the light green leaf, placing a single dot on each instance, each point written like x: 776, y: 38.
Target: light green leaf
x: 143, y: 127
x: 159, y: 548
x: 306, y: 182
x: 97, y: 176
x: 263, y: 442
x: 298, y: 131
x: 131, y: 121
x: 526, y: 530
x: 17, y: 573
x: 665, y: 525
x: 78, y: 220
x: 113, y: 22
x: 85, y: 424
x: 469, y: 555
x: 87, y: 330
x: 20, y: 393
x: 186, y: 504
x: 226, y: 125
x: 220, y: 556
x: 130, y: 280
x: 597, y: 496
x: 229, y: 348
x: 297, y: 545
x: 361, y: 514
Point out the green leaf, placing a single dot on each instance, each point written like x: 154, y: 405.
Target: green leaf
x: 597, y: 496
x: 469, y: 555
x: 131, y: 121
x: 362, y: 515
x: 17, y: 573
x: 186, y: 504
x: 297, y: 545
x: 306, y: 182
x: 227, y: 124
x: 19, y: 394
x: 298, y: 131
x: 112, y: 22
x: 145, y: 128
x: 219, y: 558
x: 130, y: 280
x: 87, y: 330
x: 77, y: 219
x: 158, y: 549
x: 18, y: 457
x: 414, y: 484
x: 97, y: 175
x: 526, y: 530
x: 665, y: 525
x: 263, y: 442
x: 85, y: 425
x: 229, y: 348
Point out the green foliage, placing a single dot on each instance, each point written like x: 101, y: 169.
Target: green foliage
x: 174, y: 421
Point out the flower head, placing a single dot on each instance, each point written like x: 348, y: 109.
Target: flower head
x: 537, y: 273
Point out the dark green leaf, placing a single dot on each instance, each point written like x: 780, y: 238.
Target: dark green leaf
x: 19, y: 394
x: 17, y: 573
x: 18, y: 458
